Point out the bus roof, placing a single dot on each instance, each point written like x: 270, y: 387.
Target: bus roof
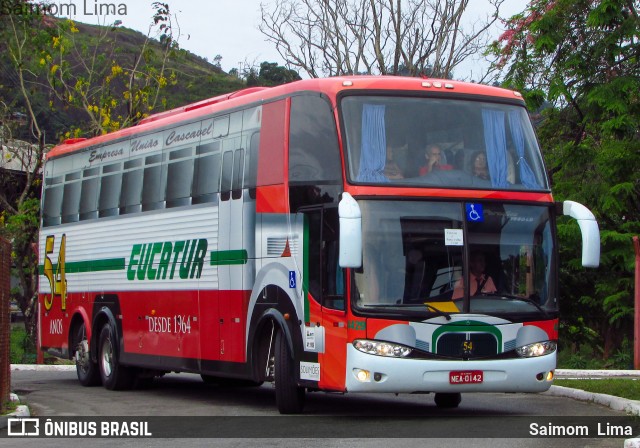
x: 330, y: 86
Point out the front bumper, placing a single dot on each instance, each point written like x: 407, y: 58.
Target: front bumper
x: 402, y: 375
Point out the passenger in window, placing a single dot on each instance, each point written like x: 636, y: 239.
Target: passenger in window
x: 391, y: 168
x: 433, y: 154
x: 479, y: 166
x: 436, y: 160
x: 479, y: 282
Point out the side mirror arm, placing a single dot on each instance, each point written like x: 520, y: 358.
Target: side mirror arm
x: 590, y: 232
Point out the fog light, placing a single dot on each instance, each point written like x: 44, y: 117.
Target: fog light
x: 540, y: 376
x: 362, y: 375
x: 550, y: 376
x: 377, y: 376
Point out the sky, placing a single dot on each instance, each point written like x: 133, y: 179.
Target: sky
x: 228, y: 28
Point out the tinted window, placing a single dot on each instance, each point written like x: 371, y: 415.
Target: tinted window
x: 52, y: 204
x: 314, y: 155
x: 153, y: 183
x: 225, y: 184
x: 179, y: 178
x: 131, y: 191
x: 109, y: 195
x: 238, y: 166
x: 71, y: 201
x: 89, y: 198
x: 439, y: 142
x: 251, y: 165
x: 206, y: 178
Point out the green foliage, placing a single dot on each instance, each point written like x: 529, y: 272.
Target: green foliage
x: 271, y: 74
x: 618, y: 387
x: 22, y: 350
x: 580, y: 59
x: 84, y: 80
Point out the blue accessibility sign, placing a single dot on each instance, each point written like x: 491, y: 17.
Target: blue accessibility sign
x: 474, y: 212
x: 292, y: 279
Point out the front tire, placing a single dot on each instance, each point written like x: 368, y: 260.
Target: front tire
x: 114, y: 375
x: 448, y: 400
x: 289, y: 397
x: 86, y: 369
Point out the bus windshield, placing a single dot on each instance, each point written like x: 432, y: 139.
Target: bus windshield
x: 437, y: 142
x: 421, y: 258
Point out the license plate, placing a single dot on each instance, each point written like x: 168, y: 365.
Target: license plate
x: 466, y: 377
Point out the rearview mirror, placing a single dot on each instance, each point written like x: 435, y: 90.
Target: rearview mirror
x: 590, y: 232
x: 350, y: 252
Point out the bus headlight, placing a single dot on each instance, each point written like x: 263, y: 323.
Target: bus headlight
x: 537, y: 349
x: 382, y: 348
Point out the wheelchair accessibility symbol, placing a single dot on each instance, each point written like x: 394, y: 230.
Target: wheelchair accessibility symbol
x: 474, y: 212
x: 292, y: 279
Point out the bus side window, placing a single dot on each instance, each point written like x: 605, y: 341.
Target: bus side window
x: 71, y: 197
x: 179, y: 178
x: 206, y: 176
x: 52, y: 201
x: 131, y: 187
x: 251, y: 165
x: 314, y: 155
x: 225, y: 183
x: 153, y: 183
x: 326, y: 279
x: 238, y: 168
x: 110, y: 190
x: 89, y: 194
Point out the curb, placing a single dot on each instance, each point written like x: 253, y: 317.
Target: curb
x: 43, y: 367
x: 615, y: 403
x: 21, y: 411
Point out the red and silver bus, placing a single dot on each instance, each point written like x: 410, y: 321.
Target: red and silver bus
x: 303, y: 235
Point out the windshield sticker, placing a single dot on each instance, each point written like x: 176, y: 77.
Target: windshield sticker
x: 474, y: 212
x: 453, y: 237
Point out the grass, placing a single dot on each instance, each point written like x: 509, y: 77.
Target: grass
x: 619, y: 387
x: 21, y: 351
x: 9, y: 407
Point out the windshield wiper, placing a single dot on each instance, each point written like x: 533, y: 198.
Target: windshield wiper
x: 431, y: 308
x: 512, y: 297
x: 438, y: 312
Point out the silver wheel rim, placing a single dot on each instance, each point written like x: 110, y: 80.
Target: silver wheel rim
x: 82, y: 352
x: 107, y: 357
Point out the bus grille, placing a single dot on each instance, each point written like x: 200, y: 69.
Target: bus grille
x: 453, y: 344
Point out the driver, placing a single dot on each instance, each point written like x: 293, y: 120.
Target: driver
x: 479, y: 282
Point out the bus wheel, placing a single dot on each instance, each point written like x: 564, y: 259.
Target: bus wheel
x: 289, y: 397
x: 448, y: 400
x: 86, y: 369
x: 114, y: 375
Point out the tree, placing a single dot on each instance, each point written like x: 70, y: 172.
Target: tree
x: 346, y: 37
x: 46, y: 60
x: 113, y: 90
x: 271, y: 74
x: 581, y: 57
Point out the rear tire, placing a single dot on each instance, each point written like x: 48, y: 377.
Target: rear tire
x: 114, y: 375
x: 86, y: 369
x: 448, y: 400
x: 289, y: 397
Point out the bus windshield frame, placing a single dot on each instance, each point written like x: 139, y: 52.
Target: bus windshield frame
x: 481, y: 143
x: 418, y: 259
